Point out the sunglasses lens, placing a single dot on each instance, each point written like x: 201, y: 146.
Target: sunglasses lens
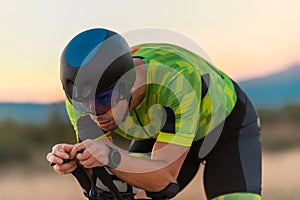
x: 104, y: 98
x: 102, y: 103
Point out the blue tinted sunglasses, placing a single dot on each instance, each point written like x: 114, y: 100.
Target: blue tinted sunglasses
x: 101, y: 104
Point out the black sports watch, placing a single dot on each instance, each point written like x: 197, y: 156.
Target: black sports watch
x: 114, y: 157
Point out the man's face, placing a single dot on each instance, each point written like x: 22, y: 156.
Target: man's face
x: 109, y: 120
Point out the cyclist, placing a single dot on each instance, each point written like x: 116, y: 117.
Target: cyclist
x: 177, y: 108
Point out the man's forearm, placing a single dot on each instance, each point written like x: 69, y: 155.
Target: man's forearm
x: 152, y: 174
x: 146, y: 174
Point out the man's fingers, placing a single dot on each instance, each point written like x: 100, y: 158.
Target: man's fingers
x: 58, y: 151
x: 83, y: 154
x: 61, y: 154
x: 90, y: 163
x: 56, y: 147
x: 77, y: 149
x: 66, y: 167
x: 54, y: 159
x: 67, y: 147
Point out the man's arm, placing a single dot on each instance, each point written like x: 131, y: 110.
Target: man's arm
x: 152, y: 175
x: 156, y: 173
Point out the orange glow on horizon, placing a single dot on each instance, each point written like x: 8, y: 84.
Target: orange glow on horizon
x: 245, y: 39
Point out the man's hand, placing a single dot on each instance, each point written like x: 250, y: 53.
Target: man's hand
x: 57, y: 157
x: 95, y: 154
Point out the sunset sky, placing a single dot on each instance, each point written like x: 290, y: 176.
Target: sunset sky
x: 243, y: 38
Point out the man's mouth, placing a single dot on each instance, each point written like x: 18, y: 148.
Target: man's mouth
x: 104, y: 124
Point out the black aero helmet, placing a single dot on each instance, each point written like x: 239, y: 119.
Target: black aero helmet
x: 93, y: 62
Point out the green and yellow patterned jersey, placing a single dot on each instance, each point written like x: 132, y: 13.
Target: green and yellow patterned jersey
x: 175, y: 79
x: 199, y: 95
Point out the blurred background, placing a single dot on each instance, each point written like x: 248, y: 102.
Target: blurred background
x: 255, y: 42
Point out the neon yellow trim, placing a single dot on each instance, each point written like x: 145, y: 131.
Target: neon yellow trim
x: 73, y: 117
x: 179, y: 139
x: 140, y: 155
x: 239, y: 196
x: 103, y: 136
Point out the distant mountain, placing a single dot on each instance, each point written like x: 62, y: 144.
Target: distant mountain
x: 31, y: 113
x: 276, y: 90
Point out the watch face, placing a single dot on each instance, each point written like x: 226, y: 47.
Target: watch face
x: 114, y: 158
